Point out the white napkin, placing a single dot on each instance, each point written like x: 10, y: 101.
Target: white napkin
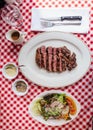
x: 38, y: 13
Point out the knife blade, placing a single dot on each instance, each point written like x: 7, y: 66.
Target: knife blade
x: 62, y: 18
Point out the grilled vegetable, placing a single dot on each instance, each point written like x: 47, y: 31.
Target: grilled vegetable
x: 72, y: 105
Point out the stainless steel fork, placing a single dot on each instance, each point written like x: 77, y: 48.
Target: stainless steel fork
x: 47, y: 24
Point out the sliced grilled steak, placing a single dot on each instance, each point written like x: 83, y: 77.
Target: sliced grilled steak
x: 55, y: 59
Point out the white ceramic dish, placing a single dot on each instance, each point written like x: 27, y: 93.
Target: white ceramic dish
x: 52, y: 122
x: 19, y: 40
x: 55, y: 39
x: 4, y: 72
x: 15, y: 90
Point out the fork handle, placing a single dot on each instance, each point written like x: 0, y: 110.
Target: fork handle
x: 71, y: 18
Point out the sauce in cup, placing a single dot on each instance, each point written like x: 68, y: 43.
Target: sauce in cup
x: 10, y: 70
x: 15, y: 35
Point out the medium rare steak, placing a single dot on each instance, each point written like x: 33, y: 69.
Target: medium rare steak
x: 55, y: 59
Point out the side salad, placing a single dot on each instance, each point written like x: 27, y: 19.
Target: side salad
x: 55, y: 106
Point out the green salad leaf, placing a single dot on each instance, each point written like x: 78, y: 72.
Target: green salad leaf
x: 62, y: 98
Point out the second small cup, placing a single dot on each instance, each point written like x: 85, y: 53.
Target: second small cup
x: 15, y: 36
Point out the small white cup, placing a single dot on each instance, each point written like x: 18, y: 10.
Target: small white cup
x: 19, y: 36
x: 7, y: 75
x: 15, y: 90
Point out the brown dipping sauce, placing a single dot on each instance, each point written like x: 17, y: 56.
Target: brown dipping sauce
x: 15, y: 35
x: 21, y: 86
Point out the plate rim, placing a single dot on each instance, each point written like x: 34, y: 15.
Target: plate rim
x: 64, y: 33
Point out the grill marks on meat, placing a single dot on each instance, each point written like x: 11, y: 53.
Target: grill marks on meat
x: 55, y: 59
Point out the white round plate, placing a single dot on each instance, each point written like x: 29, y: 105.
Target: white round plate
x: 52, y: 122
x: 51, y: 79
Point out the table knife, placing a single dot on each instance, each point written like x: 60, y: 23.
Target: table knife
x: 62, y: 18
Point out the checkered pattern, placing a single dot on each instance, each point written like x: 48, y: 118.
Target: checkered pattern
x: 13, y: 109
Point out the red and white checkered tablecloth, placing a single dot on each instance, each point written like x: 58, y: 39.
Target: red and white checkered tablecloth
x: 13, y: 109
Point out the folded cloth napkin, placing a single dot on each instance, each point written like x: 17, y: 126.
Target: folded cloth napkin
x: 38, y: 13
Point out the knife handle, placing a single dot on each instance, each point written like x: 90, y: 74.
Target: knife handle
x: 71, y: 18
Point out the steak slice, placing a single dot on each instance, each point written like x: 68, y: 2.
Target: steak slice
x: 49, y: 50
x: 39, y: 57
x: 49, y: 65
x: 54, y: 63
x: 43, y: 54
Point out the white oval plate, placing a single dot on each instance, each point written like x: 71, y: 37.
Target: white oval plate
x: 50, y: 79
x: 52, y: 122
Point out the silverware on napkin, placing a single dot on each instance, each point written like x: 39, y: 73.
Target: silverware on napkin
x: 63, y: 18
x: 47, y: 24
